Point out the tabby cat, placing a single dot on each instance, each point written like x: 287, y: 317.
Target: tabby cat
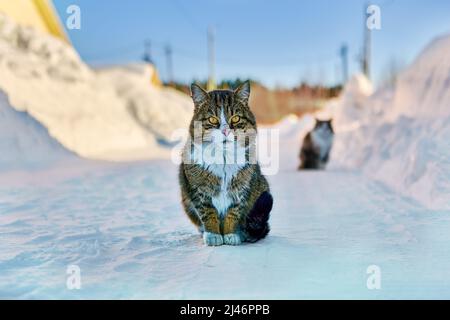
x: 227, y: 198
x: 316, y: 146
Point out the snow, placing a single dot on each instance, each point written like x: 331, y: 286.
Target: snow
x: 401, y: 136
x: 160, y: 111
x: 112, y: 114
x: 384, y: 203
x: 423, y: 90
x: 123, y: 225
x: 25, y: 143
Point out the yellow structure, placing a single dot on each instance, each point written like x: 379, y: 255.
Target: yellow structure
x: 155, y: 79
x: 39, y: 14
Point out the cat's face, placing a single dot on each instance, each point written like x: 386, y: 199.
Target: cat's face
x: 224, y: 115
x: 325, y: 128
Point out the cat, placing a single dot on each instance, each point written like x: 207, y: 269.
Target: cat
x: 228, y: 200
x: 316, y: 146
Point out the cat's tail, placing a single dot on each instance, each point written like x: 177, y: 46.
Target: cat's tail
x: 257, y: 223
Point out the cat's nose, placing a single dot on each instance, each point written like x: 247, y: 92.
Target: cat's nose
x: 226, y: 132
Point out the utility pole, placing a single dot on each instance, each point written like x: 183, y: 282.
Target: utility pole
x: 367, y: 51
x: 337, y: 73
x: 148, y: 52
x: 344, y: 59
x: 169, y: 64
x: 211, y: 59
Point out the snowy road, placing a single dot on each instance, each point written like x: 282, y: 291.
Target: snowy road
x: 124, y: 227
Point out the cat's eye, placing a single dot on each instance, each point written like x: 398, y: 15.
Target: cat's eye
x: 235, y: 119
x: 213, y: 120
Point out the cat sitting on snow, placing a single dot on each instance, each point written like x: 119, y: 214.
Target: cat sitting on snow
x: 317, y: 146
x: 223, y: 190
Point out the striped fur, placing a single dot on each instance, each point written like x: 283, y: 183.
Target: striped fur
x: 219, y: 197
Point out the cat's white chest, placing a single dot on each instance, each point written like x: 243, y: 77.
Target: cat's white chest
x: 322, y: 141
x: 226, y: 168
x: 224, y: 199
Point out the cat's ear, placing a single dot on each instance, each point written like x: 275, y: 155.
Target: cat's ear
x: 198, y: 94
x: 243, y: 92
x: 317, y: 122
x: 330, y: 124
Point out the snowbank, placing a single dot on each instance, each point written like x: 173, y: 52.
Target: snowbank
x: 159, y: 111
x: 401, y: 135
x: 24, y: 142
x: 115, y: 117
x: 424, y: 89
x: 355, y: 93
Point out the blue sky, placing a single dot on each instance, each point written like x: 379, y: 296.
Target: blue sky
x: 278, y: 43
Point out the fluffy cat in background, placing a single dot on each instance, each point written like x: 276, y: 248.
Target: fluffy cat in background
x: 229, y: 200
x: 317, y: 146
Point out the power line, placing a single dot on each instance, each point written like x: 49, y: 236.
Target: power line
x: 344, y: 60
x: 169, y: 63
x: 161, y: 49
x: 182, y: 10
x: 387, y: 3
x: 148, y: 52
x: 112, y: 52
x: 158, y: 46
x: 367, y: 46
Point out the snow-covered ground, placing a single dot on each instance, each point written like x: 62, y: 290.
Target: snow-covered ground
x: 123, y: 225
x: 24, y: 142
x: 385, y: 203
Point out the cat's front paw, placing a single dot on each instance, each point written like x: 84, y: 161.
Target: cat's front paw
x: 232, y: 239
x: 212, y: 239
